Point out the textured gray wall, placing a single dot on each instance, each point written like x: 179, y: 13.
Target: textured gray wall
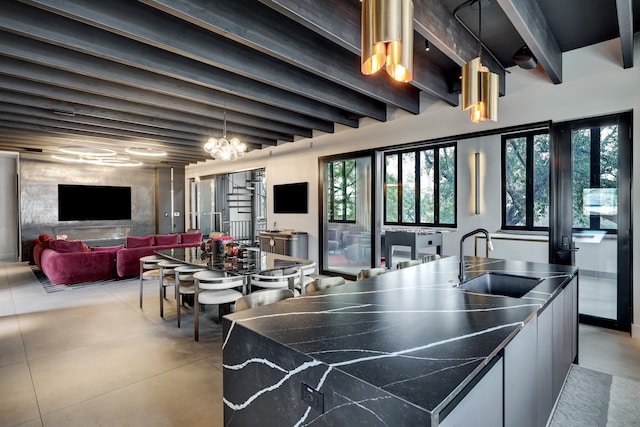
x: 39, y: 196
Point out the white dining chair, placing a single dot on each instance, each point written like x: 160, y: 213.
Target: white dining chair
x: 277, y: 279
x: 214, y: 288
x: 265, y: 297
x: 148, y: 271
x: 166, y: 279
x: 322, y: 283
x: 184, y: 285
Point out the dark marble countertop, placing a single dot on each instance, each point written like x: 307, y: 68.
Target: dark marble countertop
x: 409, y: 332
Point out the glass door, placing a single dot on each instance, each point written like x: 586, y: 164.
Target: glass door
x: 598, y: 180
x: 347, y: 215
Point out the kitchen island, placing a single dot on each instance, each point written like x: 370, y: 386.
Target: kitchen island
x: 405, y: 348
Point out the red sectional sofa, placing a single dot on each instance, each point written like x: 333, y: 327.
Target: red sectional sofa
x: 128, y: 259
x: 68, y: 262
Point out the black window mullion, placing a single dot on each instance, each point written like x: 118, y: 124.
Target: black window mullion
x: 436, y: 186
x: 529, y: 183
x: 594, y: 175
x: 417, y: 194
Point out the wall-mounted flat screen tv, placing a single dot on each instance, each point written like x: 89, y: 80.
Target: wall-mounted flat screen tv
x: 93, y: 202
x: 291, y: 198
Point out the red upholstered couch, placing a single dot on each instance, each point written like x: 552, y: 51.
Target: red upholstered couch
x: 68, y: 262
x: 128, y: 259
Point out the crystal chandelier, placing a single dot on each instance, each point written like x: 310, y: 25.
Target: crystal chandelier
x: 223, y: 148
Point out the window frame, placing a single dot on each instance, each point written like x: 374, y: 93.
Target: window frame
x: 529, y: 179
x: 417, y: 183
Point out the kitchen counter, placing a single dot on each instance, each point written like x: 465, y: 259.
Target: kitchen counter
x: 401, y: 348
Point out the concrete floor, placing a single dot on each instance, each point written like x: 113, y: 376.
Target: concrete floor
x: 91, y: 357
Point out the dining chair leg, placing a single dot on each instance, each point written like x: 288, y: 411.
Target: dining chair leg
x: 196, y: 312
x: 161, y: 281
x: 141, y: 272
x: 178, y: 298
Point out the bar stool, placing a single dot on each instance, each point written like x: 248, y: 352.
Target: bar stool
x: 148, y: 270
x: 213, y: 288
x: 184, y: 284
x: 167, y: 278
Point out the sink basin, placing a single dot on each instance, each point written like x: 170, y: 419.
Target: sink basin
x: 508, y: 285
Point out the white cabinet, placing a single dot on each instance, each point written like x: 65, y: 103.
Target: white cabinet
x: 520, y: 377
x: 544, y: 363
x: 482, y: 406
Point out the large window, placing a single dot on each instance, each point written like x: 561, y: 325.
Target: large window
x: 525, y: 181
x: 420, y: 186
x: 342, y: 175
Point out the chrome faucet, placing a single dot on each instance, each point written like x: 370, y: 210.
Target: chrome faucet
x: 461, y: 275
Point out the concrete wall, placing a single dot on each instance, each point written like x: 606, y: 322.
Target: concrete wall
x: 9, y: 230
x: 39, y: 198
x: 594, y: 84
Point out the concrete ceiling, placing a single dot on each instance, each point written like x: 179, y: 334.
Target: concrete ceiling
x: 162, y: 73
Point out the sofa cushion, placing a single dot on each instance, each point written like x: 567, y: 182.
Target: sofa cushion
x: 139, y: 241
x: 45, y: 239
x: 111, y: 249
x: 166, y: 239
x: 67, y: 246
x: 195, y: 238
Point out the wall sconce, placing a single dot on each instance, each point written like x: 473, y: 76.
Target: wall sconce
x: 477, y: 164
x: 387, y: 38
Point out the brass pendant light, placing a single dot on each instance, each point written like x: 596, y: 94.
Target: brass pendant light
x: 387, y: 38
x: 479, y: 85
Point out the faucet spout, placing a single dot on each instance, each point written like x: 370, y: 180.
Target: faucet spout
x: 461, y: 274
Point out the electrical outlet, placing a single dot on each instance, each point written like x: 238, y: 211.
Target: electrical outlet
x: 312, y: 397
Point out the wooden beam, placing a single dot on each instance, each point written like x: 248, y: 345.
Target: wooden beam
x: 527, y: 18
x: 293, y: 43
x: 140, y: 23
x: 89, y: 85
x: 339, y: 21
x: 42, y: 96
x: 64, y: 59
x: 625, y: 24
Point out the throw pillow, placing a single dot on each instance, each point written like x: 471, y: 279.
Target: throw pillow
x: 67, y: 246
x: 166, y: 239
x: 195, y: 238
x: 139, y: 241
x: 112, y: 249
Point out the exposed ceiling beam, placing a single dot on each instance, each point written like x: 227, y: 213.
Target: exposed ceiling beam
x: 138, y: 22
x: 340, y: 22
x: 51, y: 106
x: 298, y: 47
x: 73, y: 62
x: 527, y: 18
x: 59, y: 31
x: 40, y: 95
x: 90, y: 85
x: 625, y: 23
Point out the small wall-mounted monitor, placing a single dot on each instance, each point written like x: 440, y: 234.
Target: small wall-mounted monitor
x: 291, y: 198
x: 93, y: 202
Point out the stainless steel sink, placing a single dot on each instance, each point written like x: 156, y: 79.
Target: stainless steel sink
x: 508, y: 285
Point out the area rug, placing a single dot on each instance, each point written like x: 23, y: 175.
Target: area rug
x: 52, y: 287
x: 592, y: 398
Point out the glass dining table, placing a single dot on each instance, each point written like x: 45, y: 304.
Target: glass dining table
x: 248, y: 262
